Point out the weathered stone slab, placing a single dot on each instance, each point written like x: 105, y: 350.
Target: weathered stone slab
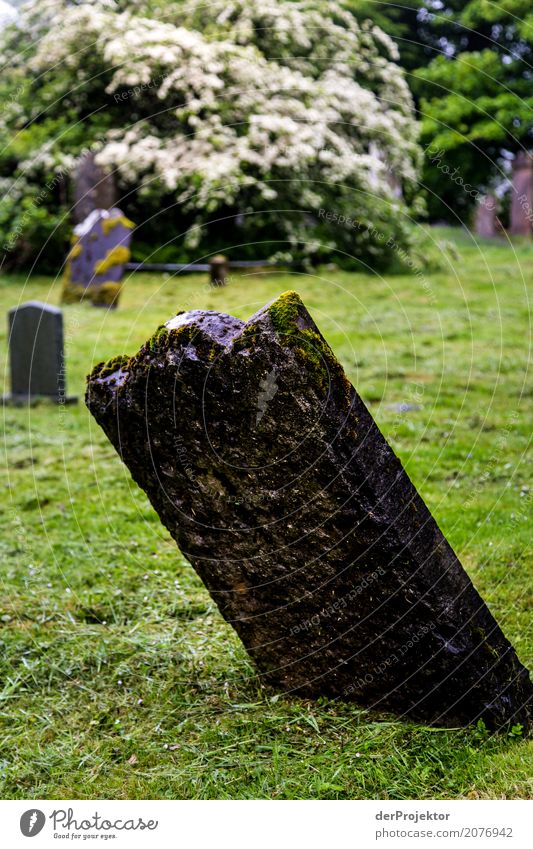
x: 95, y: 264
x: 270, y: 473
x: 36, y: 356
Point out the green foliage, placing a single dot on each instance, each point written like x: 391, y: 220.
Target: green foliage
x: 476, y: 101
x: 34, y: 229
x: 405, y: 24
x: 469, y: 67
x: 208, y: 156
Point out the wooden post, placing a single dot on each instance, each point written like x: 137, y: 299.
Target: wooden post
x: 218, y: 272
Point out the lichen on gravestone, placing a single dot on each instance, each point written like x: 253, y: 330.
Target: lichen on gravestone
x: 269, y: 472
x: 95, y: 263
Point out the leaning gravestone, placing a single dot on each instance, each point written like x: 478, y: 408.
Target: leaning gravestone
x: 95, y: 263
x: 37, y: 361
x: 301, y: 521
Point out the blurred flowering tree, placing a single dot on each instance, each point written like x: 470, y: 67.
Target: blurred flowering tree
x: 228, y: 122
x: 476, y: 99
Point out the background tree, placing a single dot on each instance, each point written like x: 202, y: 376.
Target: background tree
x: 470, y: 70
x: 223, y: 122
x: 407, y: 23
x: 476, y: 99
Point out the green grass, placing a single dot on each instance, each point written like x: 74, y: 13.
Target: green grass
x: 119, y: 677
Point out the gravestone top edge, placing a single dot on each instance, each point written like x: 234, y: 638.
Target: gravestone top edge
x: 85, y: 226
x: 40, y: 305
x: 217, y: 326
x: 284, y: 316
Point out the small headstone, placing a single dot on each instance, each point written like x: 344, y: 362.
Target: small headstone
x: 522, y: 195
x: 95, y: 264
x: 301, y: 521
x: 37, y: 362
x: 93, y: 188
x: 218, y: 270
x: 485, y: 224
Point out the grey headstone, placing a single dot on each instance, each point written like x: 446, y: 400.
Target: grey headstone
x: 93, y: 188
x: 36, y: 353
x: 95, y: 264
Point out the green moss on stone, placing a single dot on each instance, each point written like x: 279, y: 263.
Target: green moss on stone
x: 318, y: 358
x: 171, y: 336
x: 109, y: 367
x: 182, y: 335
x: 160, y: 337
x: 247, y: 337
x: 104, y: 295
x: 485, y: 644
x: 284, y: 312
x: 72, y: 293
x: 311, y: 349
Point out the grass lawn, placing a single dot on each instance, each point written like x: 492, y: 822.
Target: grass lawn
x: 119, y: 679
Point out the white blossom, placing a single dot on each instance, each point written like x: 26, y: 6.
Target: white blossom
x: 273, y: 99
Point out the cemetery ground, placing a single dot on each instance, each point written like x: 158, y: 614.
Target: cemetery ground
x: 119, y: 677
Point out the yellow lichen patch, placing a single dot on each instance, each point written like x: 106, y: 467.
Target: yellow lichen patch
x: 75, y: 251
x: 116, y: 256
x: 73, y: 293
x: 109, y: 224
x: 105, y: 295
